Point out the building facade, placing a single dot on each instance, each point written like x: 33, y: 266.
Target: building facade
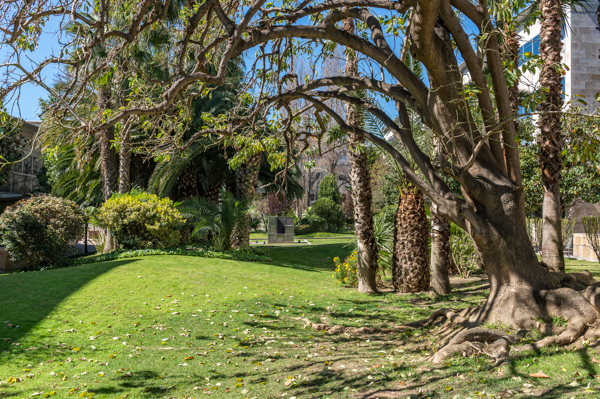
x: 23, y: 181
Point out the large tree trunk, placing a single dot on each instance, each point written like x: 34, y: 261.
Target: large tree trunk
x: 551, y: 129
x: 362, y: 198
x: 246, y: 184
x: 440, y: 253
x: 410, y: 261
x: 109, y: 161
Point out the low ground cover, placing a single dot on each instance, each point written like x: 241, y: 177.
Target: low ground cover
x: 177, y: 326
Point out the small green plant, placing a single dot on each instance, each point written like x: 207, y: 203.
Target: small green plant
x: 346, y: 273
x: 141, y: 220
x: 215, y: 222
x: 42, y: 230
x: 560, y: 321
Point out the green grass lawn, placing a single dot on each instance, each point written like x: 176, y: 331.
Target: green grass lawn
x: 184, y: 327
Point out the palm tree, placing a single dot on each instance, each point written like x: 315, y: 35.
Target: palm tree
x: 362, y: 198
x: 410, y: 262
x: 216, y: 221
x: 553, y: 16
x: 246, y: 185
x: 550, y: 131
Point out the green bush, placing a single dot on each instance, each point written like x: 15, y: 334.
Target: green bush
x: 330, y: 211
x: 309, y: 224
x: 141, y: 220
x: 42, y: 230
x: 329, y: 189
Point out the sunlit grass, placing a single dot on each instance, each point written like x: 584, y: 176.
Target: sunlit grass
x: 174, y: 326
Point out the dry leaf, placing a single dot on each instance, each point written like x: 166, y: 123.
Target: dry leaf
x: 539, y: 374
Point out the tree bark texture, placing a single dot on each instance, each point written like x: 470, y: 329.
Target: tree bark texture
x: 125, y: 162
x: 188, y: 182
x: 246, y: 184
x: 440, y: 253
x: 410, y: 261
x: 550, y: 132
x: 362, y: 197
x: 107, y: 150
x: 109, y: 161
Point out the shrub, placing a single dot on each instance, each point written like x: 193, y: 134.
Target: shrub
x: 42, y: 229
x: 331, y: 212
x: 218, y: 222
x: 346, y: 273
x: 309, y: 224
x: 329, y: 189
x: 141, y: 220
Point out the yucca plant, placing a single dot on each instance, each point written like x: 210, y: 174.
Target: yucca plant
x: 215, y: 221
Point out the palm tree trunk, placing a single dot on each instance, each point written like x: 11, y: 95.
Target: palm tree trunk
x: 440, y: 253
x: 109, y: 161
x: 125, y: 162
x: 410, y: 261
x: 362, y: 197
x: 246, y: 184
x: 550, y: 133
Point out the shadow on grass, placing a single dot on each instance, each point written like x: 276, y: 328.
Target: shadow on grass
x: 28, y: 298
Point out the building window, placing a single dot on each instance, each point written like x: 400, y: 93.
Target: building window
x: 341, y: 176
x: 532, y: 47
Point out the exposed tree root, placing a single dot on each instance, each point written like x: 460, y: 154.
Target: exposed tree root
x: 577, y: 301
x: 474, y: 340
x: 521, y: 309
x: 338, y: 329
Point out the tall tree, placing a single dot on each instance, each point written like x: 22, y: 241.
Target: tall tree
x: 440, y: 253
x: 246, y: 181
x: 550, y: 132
x: 360, y: 181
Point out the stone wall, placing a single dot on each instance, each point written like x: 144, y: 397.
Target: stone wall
x: 582, y: 55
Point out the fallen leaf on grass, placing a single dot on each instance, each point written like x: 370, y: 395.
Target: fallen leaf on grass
x: 539, y: 374
x: 288, y: 382
x: 594, y: 360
